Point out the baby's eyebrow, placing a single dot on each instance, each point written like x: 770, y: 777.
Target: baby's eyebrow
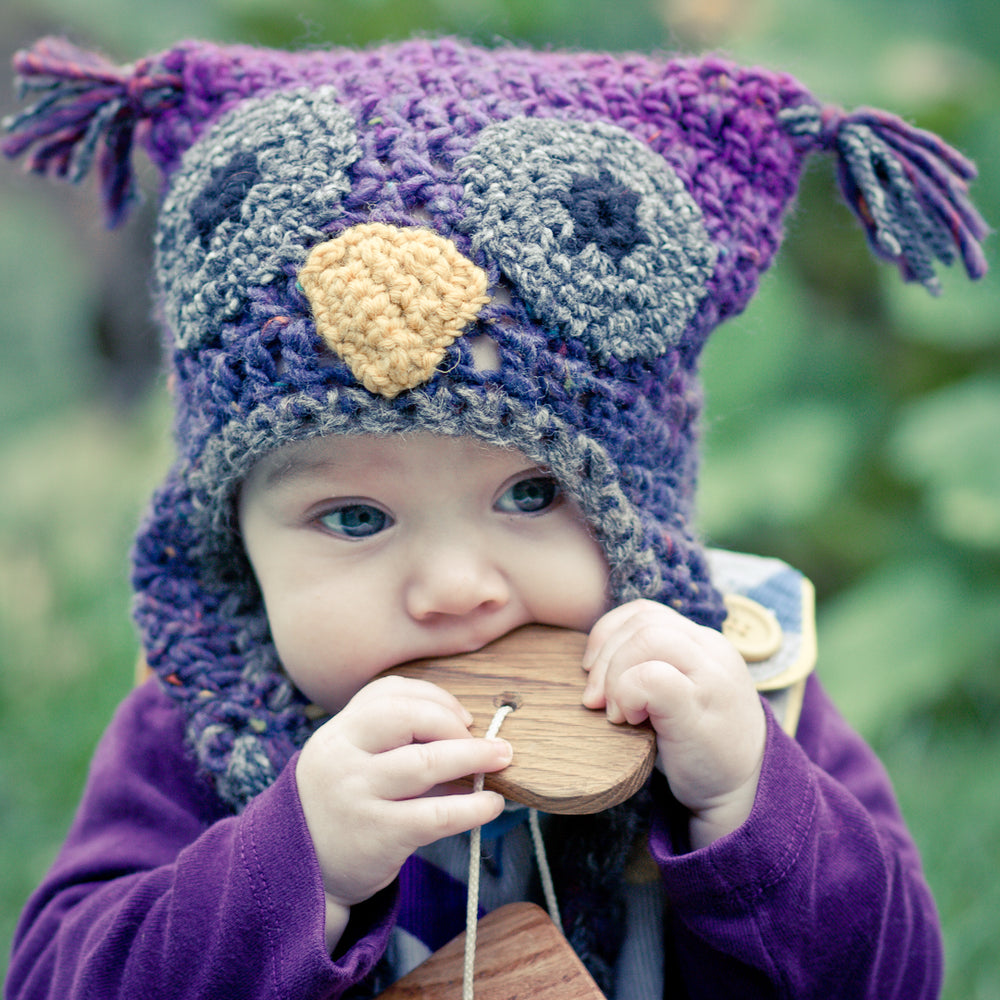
x: 292, y: 468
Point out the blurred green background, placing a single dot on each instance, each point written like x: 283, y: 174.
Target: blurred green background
x: 853, y: 424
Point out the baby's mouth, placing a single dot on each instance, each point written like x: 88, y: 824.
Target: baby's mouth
x: 472, y: 639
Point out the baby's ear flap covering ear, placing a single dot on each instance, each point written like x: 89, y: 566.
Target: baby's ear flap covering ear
x: 738, y: 138
x: 87, y: 112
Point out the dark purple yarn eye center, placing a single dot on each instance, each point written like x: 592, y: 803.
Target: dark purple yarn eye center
x: 604, y: 212
x: 224, y: 195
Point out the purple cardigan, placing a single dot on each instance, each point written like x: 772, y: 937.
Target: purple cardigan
x: 160, y: 892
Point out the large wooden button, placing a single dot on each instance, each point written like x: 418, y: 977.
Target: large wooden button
x: 751, y: 628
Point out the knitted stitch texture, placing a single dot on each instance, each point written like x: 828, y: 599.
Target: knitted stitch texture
x: 390, y: 301
x: 616, y: 209
x: 340, y: 228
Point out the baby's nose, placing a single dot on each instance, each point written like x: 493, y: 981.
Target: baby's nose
x: 455, y: 581
x: 391, y: 300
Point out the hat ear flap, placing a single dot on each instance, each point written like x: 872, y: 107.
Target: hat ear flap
x: 87, y: 112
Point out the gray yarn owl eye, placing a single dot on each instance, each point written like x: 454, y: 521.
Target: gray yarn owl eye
x: 225, y: 194
x: 255, y: 192
x: 597, y: 234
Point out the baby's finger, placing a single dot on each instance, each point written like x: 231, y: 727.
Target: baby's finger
x: 411, y: 771
x: 657, y: 647
x: 379, y: 726
x: 593, y: 690
x: 413, y: 687
x: 604, y: 628
x: 651, y: 690
x: 631, y: 634
x: 605, y: 639
x: 433, y: 818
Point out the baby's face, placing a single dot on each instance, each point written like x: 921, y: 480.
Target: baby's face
x: 371, y: 551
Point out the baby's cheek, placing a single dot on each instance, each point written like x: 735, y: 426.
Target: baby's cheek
x: 581, y: 583
x: 303, y: 652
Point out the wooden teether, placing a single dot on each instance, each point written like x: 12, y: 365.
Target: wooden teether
x: 567, y: 759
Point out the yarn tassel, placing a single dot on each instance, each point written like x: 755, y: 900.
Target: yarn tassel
x: 908, y: 188
x: 88, y: 111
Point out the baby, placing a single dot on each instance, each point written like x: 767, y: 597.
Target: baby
x: 429, y: 545
x: 434, y: 315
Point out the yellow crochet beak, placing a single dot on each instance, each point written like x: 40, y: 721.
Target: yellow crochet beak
x: 390, y: 301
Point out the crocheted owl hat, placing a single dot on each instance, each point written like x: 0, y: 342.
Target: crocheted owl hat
x: 340, y: 231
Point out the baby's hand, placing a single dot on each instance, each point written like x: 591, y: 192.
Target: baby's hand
x: 647, y: 661
x: 374, y: 783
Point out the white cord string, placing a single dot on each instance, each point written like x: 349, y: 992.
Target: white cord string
x: 475, y: 853
x: 544, y: 872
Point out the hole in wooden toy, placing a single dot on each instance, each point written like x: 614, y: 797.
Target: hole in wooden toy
x: 508, y: 699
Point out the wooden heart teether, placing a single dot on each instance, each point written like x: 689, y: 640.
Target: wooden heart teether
x: 567, y: 759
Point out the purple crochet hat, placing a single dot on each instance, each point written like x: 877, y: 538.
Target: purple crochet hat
x: 526, y: 247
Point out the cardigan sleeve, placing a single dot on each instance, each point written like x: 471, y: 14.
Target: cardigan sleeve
x: 159, y: 891
x: 819, y: 893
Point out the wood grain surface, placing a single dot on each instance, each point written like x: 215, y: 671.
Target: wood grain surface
x: 567, y: 758
x: 519, y: 955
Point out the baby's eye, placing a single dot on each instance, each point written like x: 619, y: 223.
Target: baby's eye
x: 356, y: 520
x: 529, y: 496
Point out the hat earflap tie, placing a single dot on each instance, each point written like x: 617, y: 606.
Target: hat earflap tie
x: 88, y: 112
x: 907, y: 187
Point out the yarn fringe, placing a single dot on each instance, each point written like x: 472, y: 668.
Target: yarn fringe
x: 907, y: 187
x: 87, y: 112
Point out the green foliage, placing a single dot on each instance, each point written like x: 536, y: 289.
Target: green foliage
x: 851, y: 428
x: 42, y: 331
x: 947, y: 444
x: 73, y: 487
